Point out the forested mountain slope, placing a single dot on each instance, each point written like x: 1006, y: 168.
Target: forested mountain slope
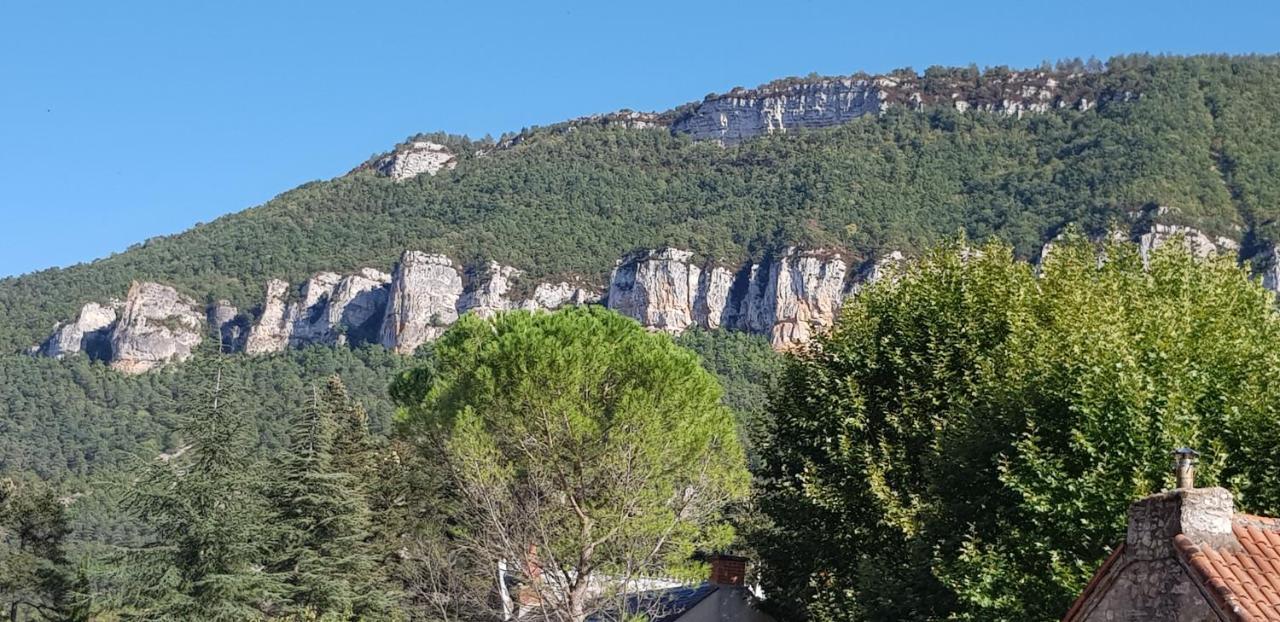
x: 1199, y: 136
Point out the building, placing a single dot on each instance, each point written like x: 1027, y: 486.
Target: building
x: 1188, y: 556
x: 723, y: 597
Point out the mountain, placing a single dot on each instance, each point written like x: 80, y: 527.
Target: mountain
x: 754, y: 211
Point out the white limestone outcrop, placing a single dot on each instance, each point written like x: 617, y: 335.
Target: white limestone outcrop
x: 423, y: 301
x: 789, y: 297
x: 659, y: 288
x: 226, y: 327
x: 548, y: 296
x: 418, y: 158
x: 795, y: 296
x: 487, y: 293
x: 828, y: 101
x: 1196, y: 241
x: 712, y: 306
x: 89, y: 332
x: 355, y: 307
x: 271, y: 332
x: 157, y: 325
x: 887, y: 266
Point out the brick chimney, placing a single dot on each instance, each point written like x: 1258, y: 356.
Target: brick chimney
x: 729, y: 570
x: 1203, y: 515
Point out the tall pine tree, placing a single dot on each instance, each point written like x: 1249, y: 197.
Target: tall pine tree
x: 325, y: 554
x: 209, y: 518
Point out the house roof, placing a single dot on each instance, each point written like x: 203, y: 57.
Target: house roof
x: 665, y: 605
x: 1245, y: 583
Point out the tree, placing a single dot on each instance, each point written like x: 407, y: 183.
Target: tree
x: 324, y: 554
x: 37, y: 581
x: 965, y: 443
x: 585, y: 452
x: 206, y: 510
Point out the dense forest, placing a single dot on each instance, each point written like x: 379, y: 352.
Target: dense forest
x: 1199, y: 135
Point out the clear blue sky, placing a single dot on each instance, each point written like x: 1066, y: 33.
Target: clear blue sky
x: 124, y: 120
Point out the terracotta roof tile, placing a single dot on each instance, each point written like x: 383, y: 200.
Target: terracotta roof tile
x: 1244, y: 582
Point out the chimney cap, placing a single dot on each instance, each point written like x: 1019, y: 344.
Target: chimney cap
x: 1184, y: 467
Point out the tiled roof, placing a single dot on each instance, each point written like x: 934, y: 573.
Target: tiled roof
x: 1245, y: 582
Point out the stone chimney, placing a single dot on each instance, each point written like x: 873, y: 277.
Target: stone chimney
x: 729, y: 570
x: 1203, y: 515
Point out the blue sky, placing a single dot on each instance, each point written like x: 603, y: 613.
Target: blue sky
x: 125, y: 120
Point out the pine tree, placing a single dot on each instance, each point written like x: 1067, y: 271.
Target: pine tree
x: 37, y: 581
x: 326, y: 556
x: 205, y: 508
x: 354, y: 451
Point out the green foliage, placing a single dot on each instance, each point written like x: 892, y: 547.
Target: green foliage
x: 206, y: 510
x: 37, y: 581
x: 324, y: 552
x: 746, y: 367
x: 581, y: 437
x: 74, y: 419
x: 965, y: 444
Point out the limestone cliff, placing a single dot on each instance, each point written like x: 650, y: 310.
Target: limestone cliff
x: 355, y: 308
x: 712, y: 306
x: 659, y: 288
x: 487, y: 293
x: 227, y: 326
x: 271, y: 332
x: 1196, y: 241
x: 90, y: 332
x: 885, y: 267
x: 794, y: 296
x: 789, y: 297
x: 549, y: 296
x: 417, y: 158
x: 158, y: 325
x: 825, y: 102
x: 423, y: 301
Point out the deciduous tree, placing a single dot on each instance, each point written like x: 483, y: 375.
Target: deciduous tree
x: 965, y: 443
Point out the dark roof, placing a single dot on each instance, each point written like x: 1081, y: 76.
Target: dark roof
x: 665, y: 605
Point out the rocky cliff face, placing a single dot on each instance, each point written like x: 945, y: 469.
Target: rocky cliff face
x: 355, y: 308
x: 156, y: 326
x: 549, y: 296
x: 741, y: 115
x: 227, y: 326
x: 423, y: 301
x: 659, y: 288
x: 885, y: 267
x: 794, y: 296
x: 331, y: 309
x: 90, y: 333
x: 1197, y: 242
x: 271, y: 333
x: 487, y: 294
x: 416, y: 159
x: 826, y: 102
x: 790, y: 298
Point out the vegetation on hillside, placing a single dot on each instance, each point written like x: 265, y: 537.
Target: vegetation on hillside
x: 1200, y: 134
